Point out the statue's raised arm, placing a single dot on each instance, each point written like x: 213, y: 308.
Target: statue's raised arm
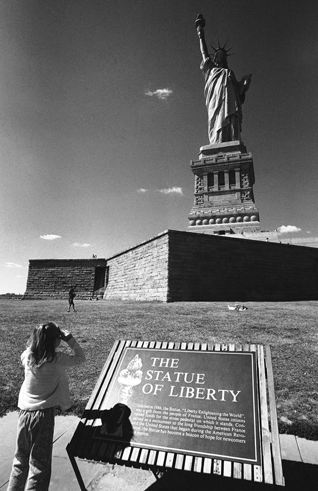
x: 224, y: 95
x: 199, y: 24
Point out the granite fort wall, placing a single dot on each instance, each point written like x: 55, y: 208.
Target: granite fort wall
x: 185, y: 266
x: 52, y: 278
x: 204, y: 267
x: 140, y: 273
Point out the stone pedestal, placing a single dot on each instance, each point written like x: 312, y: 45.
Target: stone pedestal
x: 223, y: 190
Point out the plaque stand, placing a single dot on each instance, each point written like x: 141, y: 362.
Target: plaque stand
x: 89, y: 443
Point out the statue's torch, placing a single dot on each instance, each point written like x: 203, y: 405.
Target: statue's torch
x: 128, y: 378
x: 199, y: 22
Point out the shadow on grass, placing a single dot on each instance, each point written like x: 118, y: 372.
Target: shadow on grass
x: 302, y: 429
x: 297, y: 476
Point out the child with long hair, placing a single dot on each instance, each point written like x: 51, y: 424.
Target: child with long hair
x: 45, y: 388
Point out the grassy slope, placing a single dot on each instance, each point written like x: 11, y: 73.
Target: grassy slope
x: 290, y: 328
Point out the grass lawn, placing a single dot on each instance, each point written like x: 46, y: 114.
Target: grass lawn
x: 289, y: 327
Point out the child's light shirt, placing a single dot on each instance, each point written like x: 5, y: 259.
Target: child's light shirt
x: 47, y: 386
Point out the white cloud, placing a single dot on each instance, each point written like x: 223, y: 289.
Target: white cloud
x: 50, y: 237
x: 287, y: 229
x: 173, y: 190
x: 79, y: 244
x: 13, y: 265
x: 162, y: 94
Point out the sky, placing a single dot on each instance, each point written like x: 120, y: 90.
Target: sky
x: 102, y: 110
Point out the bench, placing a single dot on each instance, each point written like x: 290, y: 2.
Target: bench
x: 197, y: 407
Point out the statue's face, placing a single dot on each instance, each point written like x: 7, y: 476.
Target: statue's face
x: 220, y: 58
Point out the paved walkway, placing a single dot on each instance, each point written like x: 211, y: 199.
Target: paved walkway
x: 300, y: 463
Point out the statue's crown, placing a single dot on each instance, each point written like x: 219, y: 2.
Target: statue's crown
x: 223, y: 48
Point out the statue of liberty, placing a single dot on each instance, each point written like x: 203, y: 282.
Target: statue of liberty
x: 224, y: 95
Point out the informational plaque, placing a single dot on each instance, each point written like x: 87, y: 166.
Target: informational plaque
x: 202, y: 403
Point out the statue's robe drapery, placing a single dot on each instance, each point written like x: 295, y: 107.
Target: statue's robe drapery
x: 223, y: 102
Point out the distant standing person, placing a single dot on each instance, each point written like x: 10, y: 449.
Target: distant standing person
x: 44, y: 389
x: 71, y: 296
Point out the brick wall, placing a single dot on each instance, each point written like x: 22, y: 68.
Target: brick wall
x: 205, y: 267
x: 52, y: 278
x: 140, y: 273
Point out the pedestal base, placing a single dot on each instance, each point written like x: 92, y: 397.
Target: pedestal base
x: 223, y: 191
x: 235, y: 146
x: 227, y: 228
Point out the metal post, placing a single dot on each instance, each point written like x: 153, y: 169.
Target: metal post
x: 76, y: 469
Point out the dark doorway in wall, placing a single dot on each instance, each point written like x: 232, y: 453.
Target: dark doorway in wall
x: 99, y: 282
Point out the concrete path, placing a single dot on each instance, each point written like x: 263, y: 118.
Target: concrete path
x: 300, y: 463
x: 63, y: 477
